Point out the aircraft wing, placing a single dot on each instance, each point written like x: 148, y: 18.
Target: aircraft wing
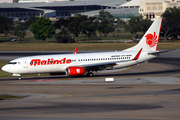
x: 101, y: 66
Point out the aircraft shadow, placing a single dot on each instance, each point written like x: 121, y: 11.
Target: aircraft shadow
x: 141, y: 73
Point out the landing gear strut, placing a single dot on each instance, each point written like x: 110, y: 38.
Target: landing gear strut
x: 18, y: 75
x: 89, y: 74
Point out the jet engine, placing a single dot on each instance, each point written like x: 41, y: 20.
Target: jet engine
x: 75, y: 71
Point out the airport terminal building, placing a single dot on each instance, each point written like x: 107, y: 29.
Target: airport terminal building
x: 153, y: 9
x: 25, y: 9
x: 62, y: 9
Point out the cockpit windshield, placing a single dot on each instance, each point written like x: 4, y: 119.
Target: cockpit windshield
x: 12, y: 63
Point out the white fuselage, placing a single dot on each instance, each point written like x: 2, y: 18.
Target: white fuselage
x: 59, y: 62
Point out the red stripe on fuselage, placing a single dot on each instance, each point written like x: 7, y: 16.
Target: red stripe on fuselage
x: 137, y: 56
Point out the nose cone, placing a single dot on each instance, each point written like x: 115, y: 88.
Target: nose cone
x: 5, y: 68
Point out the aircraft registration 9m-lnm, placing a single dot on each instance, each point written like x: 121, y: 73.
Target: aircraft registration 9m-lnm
x: 79, y: 64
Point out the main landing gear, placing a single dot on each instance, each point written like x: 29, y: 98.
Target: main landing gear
x: 90, y: 74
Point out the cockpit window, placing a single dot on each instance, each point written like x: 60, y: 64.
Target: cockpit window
x: 12, y: 63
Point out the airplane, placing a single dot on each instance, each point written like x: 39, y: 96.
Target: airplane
x: 77, y: 64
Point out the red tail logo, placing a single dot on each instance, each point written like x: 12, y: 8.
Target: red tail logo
x: 151, y: 39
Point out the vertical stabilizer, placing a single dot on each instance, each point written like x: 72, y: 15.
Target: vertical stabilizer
x: 149, y: 42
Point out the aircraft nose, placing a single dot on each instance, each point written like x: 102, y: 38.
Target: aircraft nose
x: 5, y: 68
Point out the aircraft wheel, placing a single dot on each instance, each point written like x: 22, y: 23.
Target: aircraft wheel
x: 90, y: 74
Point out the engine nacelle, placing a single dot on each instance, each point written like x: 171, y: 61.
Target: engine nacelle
x: 75, y: 71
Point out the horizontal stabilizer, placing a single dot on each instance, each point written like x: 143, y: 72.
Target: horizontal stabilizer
x: 157, y: 52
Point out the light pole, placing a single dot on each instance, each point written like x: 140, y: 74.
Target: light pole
x: 84, y: 5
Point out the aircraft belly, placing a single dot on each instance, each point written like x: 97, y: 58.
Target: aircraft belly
x: 125, y: 64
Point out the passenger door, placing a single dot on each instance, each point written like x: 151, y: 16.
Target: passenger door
x: 25, y: 63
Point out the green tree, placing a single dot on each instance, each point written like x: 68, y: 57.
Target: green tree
x: 30, y: 21
x: 63, y: 36
x: 105, y: 23
x: 119, y: 24
x: 171, y: 24
x: 145, y: 24
x: 61, y: 24
x: 6, y: 25
x: 90, y: 27
x: 19, y: 31
x: 76, y: 24
x: 42, y: 29
x: 137, y: 24
x: 134, y: 25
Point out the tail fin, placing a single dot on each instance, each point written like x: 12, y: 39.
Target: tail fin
x: 149, y: 42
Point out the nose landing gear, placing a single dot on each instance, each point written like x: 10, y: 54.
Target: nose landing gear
x: 18, y: 75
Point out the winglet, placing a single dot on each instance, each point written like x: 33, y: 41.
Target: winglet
x: 137, y: 56
x: 75, y: 51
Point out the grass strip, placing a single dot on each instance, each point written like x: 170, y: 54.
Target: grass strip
x: 10, y: 97
x: 81, y: 46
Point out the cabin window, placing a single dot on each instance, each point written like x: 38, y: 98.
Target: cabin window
x: 67, y: 61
